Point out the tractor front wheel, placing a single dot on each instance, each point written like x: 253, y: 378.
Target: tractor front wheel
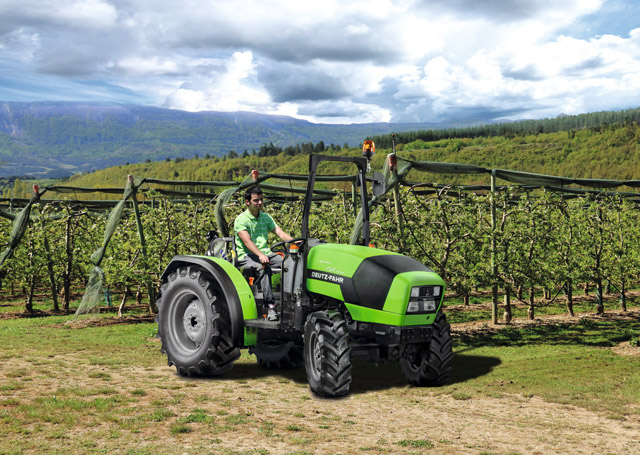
x: 194, y: 324
x: 430, y: 364
x: 327, y: 354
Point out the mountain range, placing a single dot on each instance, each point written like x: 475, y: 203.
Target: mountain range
x: 58, y: 139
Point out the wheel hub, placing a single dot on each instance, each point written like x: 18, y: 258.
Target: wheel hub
x: 194, y: 322
x: 317, y: 356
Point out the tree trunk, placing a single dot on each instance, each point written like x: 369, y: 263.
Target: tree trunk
x: 623, y: 296
x: 599, y: 302
x: 138, y: 297
x: 547, y: 294
x: 585, y: 288
x: 32, y: 281
x: 66, y: 292
x: 66, y: 275
x: 32, y: 288
x: 52, y: 276
x: 508, y: 315
x: 153, y: 308
x: 568, y: 291
x: 519, y: 292
x: 125, y: 296
x: 531, y: 311
x: 465, y: 298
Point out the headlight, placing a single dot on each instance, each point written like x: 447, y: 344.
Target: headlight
x: 424, y: 299
x: 413, y: 307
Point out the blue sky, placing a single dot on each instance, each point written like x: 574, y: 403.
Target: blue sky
x: 330, y: 61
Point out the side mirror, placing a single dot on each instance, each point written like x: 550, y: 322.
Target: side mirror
x: 378, y: 184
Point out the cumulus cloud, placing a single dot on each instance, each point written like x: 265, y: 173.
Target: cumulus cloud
x: 515, y: 10
x: 344, y: 112
x: 288, y: 82
x: 332, y: 61
x: 223, y: 85
x: 78, y: 14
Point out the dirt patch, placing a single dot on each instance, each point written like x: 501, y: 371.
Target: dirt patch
x: 46, y: 313
x: 34, y: 314
x: 251, y: 410
x: 625, y: 348
x: 103, y: 322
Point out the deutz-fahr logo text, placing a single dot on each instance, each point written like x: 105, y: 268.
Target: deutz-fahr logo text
x: 327, y: 277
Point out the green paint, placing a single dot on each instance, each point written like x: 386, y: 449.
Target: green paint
x: 247, y: 301
x: 325, y: 288
x: 360, y: 313
x: 340, y: 259
x: 400, y: 290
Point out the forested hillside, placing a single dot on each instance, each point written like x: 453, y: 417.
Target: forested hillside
x: 610, y: 152
x: 59, y: 139
x: 599, y: 145
x: 593, y: 120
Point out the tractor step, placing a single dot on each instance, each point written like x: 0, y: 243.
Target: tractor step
x: 261, y: 323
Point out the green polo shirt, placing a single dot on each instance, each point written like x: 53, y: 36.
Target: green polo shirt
x: 258, y: 229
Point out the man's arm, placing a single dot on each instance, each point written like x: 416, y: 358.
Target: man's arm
x: 281, y: 234
x: 246, y: 239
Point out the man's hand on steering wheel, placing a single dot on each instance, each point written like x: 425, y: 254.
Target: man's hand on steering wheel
x: 264, y: 259
x: 279, y: 246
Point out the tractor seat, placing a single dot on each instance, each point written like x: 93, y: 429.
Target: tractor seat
x: 247, y: 270
x: 225, y: 248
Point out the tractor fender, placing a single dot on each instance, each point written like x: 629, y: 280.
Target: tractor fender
x: 236, y: 290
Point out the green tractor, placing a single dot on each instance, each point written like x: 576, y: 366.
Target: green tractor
x: 336, y: 302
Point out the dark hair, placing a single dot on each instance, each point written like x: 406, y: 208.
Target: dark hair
x: 251, y: 191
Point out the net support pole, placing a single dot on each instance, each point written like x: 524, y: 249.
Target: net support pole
x: 398, y: 207
x: 354, y: 199
x: 396, y: 197
x: 494, y: 268
x: 47, y: 250
x: 143, y: 246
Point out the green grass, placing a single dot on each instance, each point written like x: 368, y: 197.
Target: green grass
x: 100, y: 390
x: 565, y: 363
x: 125, y: 344
x: 416, y: 443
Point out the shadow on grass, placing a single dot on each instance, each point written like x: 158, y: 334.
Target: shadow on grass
x: 588, y: 332
x: 368, y: 377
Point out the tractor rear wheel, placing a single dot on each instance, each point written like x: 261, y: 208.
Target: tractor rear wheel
x: 430, y: 364
x: 327, y: 354
x: 194, y: 324
x: 274, y: 354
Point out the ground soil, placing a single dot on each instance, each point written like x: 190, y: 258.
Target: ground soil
x: 381, y: 415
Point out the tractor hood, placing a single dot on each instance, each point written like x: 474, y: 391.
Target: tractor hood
x: 365, y: 276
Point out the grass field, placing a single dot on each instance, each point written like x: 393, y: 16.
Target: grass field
x: 87, y: 387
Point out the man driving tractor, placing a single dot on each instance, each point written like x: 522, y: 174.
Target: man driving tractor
x: 252, y: 229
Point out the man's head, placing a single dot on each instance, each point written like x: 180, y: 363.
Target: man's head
x: 254, y: 198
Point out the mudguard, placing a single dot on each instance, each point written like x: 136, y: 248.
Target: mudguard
x: 237, y: 292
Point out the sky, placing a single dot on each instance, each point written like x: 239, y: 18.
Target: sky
x: 328, y: 61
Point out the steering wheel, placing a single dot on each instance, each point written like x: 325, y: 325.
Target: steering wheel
x: 279, y: 246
